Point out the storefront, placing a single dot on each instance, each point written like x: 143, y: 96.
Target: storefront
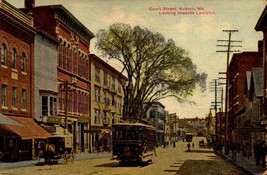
x: 18, y: 142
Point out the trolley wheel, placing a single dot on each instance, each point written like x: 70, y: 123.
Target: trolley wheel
x: 66, y: 156
x: 71, y: 156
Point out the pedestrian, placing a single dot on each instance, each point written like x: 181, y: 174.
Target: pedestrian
x: 262, y: 152
x: 193, y: 145
x: 188, y: 147
x: 256, y: 153
x: 174, y: 144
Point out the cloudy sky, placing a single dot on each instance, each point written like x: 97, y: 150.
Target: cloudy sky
x: 197, y: 27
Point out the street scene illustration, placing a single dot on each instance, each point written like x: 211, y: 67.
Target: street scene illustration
x: 130, y: 87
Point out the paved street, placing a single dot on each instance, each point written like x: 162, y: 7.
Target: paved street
x: 169, y: 161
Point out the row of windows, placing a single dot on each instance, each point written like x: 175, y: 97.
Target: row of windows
x: 71, y: 61
x: 14, y: 97
x: 115, y: 101
x: 105, y: 117
x: 77, y: 102
x: 14, y: 58
x: 106, y: 82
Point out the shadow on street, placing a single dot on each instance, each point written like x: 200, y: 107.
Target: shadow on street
x: 207, y: 167
x: 128, y: 164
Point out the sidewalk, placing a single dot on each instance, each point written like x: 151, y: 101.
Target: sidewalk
x: 247, y: 164
x: 78, y: 156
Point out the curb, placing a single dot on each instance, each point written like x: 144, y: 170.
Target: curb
x: 78, y: 157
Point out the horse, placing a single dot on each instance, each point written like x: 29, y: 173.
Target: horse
x: 49, y: 151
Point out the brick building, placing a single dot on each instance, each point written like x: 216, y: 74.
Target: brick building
x: 244, y: 69
x: 17, y: 84
x: 73, y: 67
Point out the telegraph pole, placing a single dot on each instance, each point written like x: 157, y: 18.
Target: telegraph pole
x: 229, y: 46
x: 214, y: 87
x: 66, y: 106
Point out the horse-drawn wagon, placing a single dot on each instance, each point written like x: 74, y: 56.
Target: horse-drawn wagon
x: 57, y: 147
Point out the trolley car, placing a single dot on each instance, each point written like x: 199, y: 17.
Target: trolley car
x: 134, y: 140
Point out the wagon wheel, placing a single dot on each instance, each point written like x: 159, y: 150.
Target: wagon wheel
x: 71, y: 156
x: 66, y: 156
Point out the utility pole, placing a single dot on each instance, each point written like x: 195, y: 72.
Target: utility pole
x: 66, y: 106
x: 214, y: 87
x: 229, y: 46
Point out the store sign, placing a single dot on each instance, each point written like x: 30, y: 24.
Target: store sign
x: 263, y: 122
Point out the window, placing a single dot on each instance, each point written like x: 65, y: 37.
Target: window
x: 53, y: 105
x: 44, y: 106
x: 14, y: 59
x: 14, y: 97
x: 105, y: 79
x: 105, y: 118
x: 113, y: 118
x: 97, y: 74
x: 23, y: 99
x: 3, y: 55
x: 49, y: 105
x: 113, y: 83
x: 113, y: 101
x: 97, y: 94
x: 4, y: 91
x: 23, y: 62
x: 119, y: 87
x: 106, y: 98
x: 119, y: 102
x: 97, y: 116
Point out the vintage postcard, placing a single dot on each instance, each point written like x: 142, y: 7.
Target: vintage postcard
x: 154, y: 87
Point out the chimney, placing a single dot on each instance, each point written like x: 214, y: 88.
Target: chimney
x: 29, y: 5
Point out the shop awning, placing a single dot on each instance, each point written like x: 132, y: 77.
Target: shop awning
x: 4, y: 120
x: 28, y: 130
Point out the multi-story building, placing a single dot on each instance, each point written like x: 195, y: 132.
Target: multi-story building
x: 261, y: 27
x: 106, y: 101
x: 73, y: 67
x: 17, y: 84
x: 172, y: 125
x: 239, y: 81
x: 45, y: 73
x: 157, y: 114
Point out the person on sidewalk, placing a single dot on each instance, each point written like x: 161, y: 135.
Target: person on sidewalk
x: 262, y: 152
x: 188, y: 147
x: 256, y: 153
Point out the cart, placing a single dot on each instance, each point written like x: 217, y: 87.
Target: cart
x: 58, y: 147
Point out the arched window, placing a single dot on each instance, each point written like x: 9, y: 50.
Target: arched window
x: 23, y: 62
x: 3, y: 55
x: 14, y: 58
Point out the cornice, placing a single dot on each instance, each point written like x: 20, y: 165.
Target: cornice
x: 73, y: 23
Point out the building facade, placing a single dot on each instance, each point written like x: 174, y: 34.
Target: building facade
x: 157, y: 115
x: 73, y: 67
x: 17, y: 85
x: 106, y: 102
x: 239, y: 103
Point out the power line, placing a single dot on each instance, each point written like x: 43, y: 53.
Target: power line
x: 230, y: 45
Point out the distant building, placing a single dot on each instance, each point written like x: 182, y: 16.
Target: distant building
x: 157, y: 115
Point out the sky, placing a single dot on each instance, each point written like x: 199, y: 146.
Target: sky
x: 194, y: 25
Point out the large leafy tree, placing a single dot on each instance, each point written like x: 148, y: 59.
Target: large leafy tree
x: 156, y: 68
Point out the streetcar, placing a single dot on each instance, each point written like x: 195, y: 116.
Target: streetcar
x: 133, y: 140
x: 189, y: 137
